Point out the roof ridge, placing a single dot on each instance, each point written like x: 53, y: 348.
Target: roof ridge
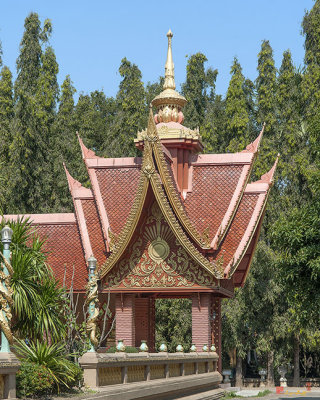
x: 252, y: 226
x: 268, y: 177
x: 174, y: 200
x: 86, y: 153
x: 253, y: 147
x: 233, y: 206
x: 75, y: 187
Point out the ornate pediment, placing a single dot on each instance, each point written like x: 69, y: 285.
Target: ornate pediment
x: 155, y: 259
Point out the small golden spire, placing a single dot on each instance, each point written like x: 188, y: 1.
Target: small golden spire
x: 169, y: 102
x: 169, y: 68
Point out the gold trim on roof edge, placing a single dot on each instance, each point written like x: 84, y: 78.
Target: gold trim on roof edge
x: 148, y: 174
x: 173, y: 197
x: 126, y: 234
x: 178, y: 231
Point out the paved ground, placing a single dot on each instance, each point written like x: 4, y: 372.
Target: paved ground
x: 289, y: 393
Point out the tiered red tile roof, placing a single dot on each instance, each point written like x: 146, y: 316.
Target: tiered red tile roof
x: 210, y: 201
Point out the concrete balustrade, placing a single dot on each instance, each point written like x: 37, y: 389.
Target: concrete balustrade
x: 121, y: 368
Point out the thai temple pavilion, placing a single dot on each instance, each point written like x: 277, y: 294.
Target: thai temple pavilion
x: 173, y: 223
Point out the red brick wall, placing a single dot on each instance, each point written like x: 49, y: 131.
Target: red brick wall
x: 201, y: 329
x: 216, y: 307
x: 141, y: 320
x: 125, y: 319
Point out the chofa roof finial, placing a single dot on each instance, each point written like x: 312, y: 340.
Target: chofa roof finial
x: 169, y: 68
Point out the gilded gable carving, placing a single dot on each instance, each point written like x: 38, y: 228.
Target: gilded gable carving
x: 156, y: 259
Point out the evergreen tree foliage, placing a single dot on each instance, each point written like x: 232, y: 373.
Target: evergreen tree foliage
x: 266, y: 107
x: 311, y: 78
x: 173, y: 323
x: 6, y: 113
x: 266, y: 87
x: 65, y: 147
x: 198, y: 90
x: 237, y: 115
x: 212, y: 130
x: 131, y: 114
x: 153, y: 90
x: 35, y: 97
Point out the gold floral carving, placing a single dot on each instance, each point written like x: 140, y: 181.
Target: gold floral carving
x: 174, y: 268
x: 125, y: 235
x: 178, y: 231
x: 172, y: 194
x: 150, y: 175
x: 113, y: 240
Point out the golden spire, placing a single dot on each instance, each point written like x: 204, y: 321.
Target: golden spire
x: 169, y: 103
x: 169, y: 68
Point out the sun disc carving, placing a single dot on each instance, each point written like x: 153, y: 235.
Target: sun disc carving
x: 158, y: 250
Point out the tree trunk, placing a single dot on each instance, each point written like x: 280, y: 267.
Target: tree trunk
x: 270, y: 370
x: 239, y: 372
x: 296, y: 360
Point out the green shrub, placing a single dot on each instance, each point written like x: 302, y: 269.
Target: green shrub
x: 228, y: 395
x: 63, y: 372
x: 264, y: 393
x: 33, y: 380
x: 129, y: 349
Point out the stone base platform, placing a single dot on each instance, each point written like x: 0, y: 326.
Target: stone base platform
x: 9, y: 365
x: 194, y: 387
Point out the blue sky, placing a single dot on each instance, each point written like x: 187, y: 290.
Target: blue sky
x: 91, y: 37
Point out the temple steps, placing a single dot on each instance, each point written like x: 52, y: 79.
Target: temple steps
x: 192, y: 387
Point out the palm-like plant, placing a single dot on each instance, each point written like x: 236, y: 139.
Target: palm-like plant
x: 36, y: 296
x: 53, y: 358
x: 49, y: 311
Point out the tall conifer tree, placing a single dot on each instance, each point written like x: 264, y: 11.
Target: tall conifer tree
x: 293, y: 137
x: 266, y: 107
x: 311, y: 81
x: 131, y: 111
x: 212, y: 129
x: 65, y: 147
x: 35, y: 96
x: 236, y: 109
x: 266, y: 87
x: 198, y: 89
x: 6, y: 113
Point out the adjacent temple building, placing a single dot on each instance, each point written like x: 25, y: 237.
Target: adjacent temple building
x: 174, y: 223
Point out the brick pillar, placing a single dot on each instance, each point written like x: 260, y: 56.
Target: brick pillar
x: 125, y: 318
x: 216, y: 332
x: 152, y: 325
x: 201, y: 329
x: 141, y: 320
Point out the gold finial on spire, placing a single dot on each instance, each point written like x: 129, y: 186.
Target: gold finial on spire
x: 169, y: 68
x: 169, y: 102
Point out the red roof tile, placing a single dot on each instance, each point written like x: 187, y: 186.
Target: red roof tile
x: 94, y: 230
x: 118, y: 188
x: 65, y: 257
x: 237, y: 228
x: 212, y: 189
